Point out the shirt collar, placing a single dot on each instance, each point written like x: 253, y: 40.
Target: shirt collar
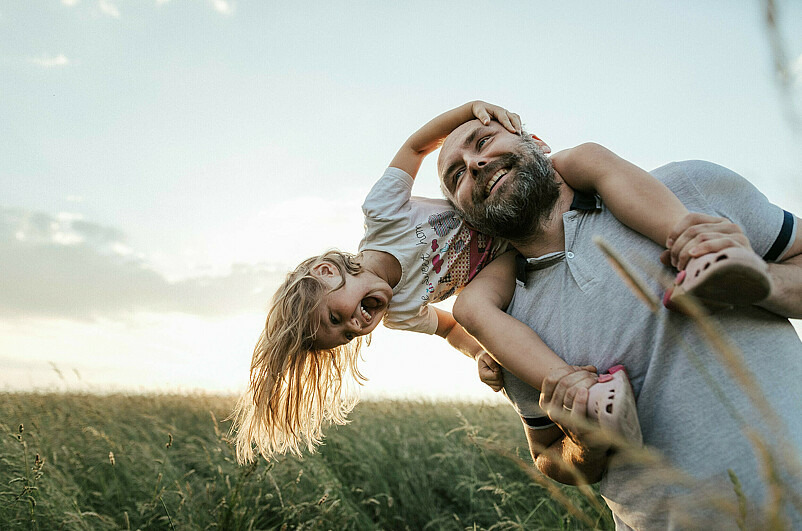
x: 581, y: 201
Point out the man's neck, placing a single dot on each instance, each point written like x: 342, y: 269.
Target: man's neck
x: 550, y: 237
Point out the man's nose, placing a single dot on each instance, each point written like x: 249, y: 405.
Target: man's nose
x: 475, y: 164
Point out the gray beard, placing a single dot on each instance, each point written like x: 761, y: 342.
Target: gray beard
x: 519, y: 210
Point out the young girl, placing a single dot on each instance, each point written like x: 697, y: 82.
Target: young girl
x: 415, y: 251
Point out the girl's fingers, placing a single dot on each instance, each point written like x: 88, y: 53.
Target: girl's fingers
x: 486, y: 112
x: 694, y: 218
x: 483, y: 115
x: 504, y: 120
x: 710, y: 243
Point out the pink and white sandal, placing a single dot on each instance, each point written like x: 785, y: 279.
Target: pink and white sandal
x: 612, y: 402
x: 731, y: 277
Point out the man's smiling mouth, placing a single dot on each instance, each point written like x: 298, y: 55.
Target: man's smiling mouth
x: 494, y: 180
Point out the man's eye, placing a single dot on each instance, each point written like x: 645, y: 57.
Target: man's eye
x: 457, y: 175
x: 482, y: 141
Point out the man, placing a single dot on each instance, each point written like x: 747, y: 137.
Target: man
x: 691, y: 409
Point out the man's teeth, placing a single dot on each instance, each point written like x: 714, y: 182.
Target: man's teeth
x: 365, y: 313
x: 493, y: 180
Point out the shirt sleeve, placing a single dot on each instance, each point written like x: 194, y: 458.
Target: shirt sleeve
x: 770, y: 229
x: 389, y: 196
x: 424, y: 321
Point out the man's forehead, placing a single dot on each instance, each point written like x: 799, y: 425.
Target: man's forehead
x: 462, y: 135
x: 456, y: 139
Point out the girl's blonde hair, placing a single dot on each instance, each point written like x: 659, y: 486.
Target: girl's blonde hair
x: 295, y: 387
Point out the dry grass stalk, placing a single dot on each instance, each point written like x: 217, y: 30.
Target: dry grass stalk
x: 785, y: 75
x: 552, y: 487
x: 733, y: 361
x: 635, y: 283
x: 774, y: 506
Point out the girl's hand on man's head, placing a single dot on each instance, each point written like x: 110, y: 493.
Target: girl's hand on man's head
x: 485, y: 112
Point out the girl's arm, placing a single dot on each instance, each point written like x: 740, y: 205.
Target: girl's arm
x: 430, y: 136
x: 480, y: 310
x: 637, y: 199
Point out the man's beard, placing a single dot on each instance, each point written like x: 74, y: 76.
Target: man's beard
x: 519, y: 209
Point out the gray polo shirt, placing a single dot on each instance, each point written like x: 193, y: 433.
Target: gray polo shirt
x: 691, y: 409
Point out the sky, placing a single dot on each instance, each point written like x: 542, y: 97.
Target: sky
x: 164, y: 163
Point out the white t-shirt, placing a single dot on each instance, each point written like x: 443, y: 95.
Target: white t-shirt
x: 438, y: 252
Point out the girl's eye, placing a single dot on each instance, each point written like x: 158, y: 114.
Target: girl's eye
x: 333, y: 319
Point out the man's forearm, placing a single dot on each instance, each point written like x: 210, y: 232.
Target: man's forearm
x: 786, y: 294
x: 560, y: 458
x: 567, y: 463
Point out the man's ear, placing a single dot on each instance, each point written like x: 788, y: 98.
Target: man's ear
x: 326, y: 270
x: 545, y: 147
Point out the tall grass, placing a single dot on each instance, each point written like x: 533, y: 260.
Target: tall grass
x: 164, y: 462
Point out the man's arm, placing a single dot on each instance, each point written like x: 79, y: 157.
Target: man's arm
x: 566, y: 452
x: 699, y: 234
x: 786, y: 278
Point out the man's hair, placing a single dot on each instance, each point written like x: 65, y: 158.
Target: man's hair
x: 294, y: 387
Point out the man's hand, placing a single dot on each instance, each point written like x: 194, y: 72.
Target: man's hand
x: 698, y: 234
x: 564, y: 398
x: 490, y: 371
x: 484, y: 112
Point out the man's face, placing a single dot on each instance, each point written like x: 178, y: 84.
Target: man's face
x: 502, y: 183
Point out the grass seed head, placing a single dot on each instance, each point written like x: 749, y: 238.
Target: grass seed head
x: 111, y: 458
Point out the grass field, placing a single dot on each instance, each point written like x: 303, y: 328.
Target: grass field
x: 164, y: 462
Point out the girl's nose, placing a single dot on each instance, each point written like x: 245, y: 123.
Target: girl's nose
x: 354, y: 325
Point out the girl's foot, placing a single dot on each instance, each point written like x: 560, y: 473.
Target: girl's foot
x: 612, y: 403
x: 732, y: 277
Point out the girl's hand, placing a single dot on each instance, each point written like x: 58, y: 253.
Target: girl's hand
x: 490, y: 371
x: 698, y: 234
x: 485, y: 112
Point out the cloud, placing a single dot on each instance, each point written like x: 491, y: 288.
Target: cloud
x: 223, y: 6
x: 107, y: 8
x: 50, y: 62
x: 66, y: 267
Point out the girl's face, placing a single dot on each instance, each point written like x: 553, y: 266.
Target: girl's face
x: 354, y: 309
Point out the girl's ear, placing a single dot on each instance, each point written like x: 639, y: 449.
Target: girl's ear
x: 545, y: 147
x: 326, y: 270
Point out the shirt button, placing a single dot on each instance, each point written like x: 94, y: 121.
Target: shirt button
x: 569, y: 254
